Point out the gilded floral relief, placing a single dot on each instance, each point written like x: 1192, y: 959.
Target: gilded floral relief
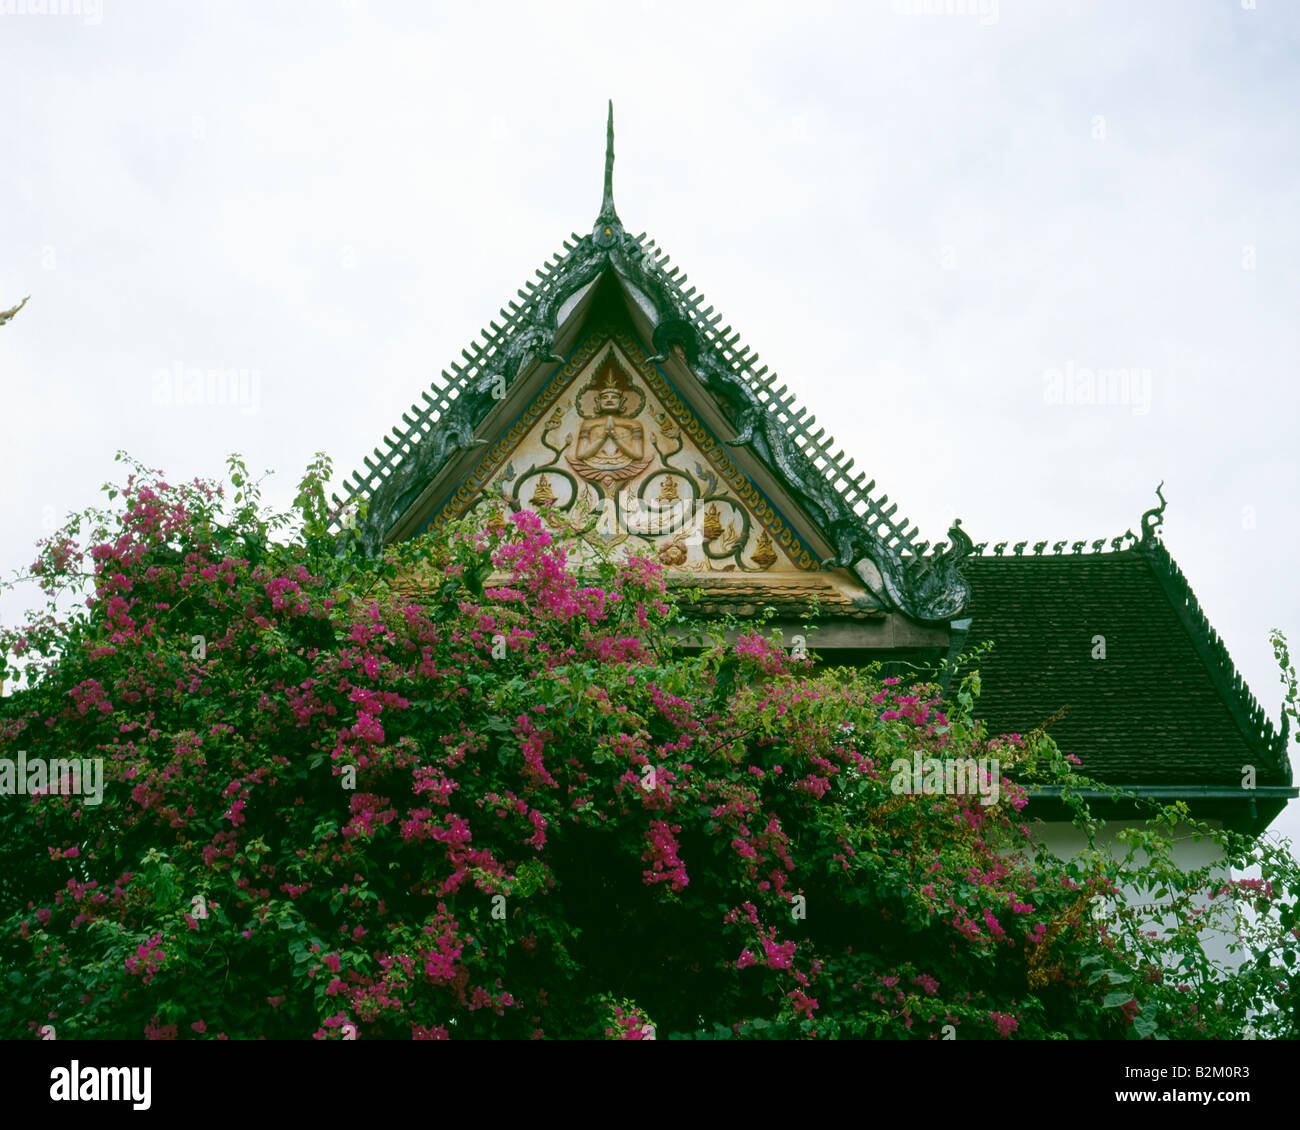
x: 610, y: 466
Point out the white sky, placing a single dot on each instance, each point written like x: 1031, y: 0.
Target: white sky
x: 913, y: 218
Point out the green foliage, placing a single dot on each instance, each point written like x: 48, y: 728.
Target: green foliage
x: 463, y: 791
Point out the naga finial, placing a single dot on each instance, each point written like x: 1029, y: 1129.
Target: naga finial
x: 1154, y: 518
x: 608, y: 214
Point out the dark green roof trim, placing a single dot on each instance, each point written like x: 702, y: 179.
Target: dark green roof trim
x: 1249, y: 715
x: 927, y: 585
x: 1166, y: 793
x: 1241, y: 810
x: 1152, y: 520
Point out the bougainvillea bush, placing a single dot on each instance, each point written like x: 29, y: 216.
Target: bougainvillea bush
x: 468, y: 792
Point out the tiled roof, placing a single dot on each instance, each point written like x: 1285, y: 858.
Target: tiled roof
x: 1164, y: 706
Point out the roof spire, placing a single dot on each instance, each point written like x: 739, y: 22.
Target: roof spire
x: 607, y: 211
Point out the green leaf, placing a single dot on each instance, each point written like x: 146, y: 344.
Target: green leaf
x: 1114, y: 1000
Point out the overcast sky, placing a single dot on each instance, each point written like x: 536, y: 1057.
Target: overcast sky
x: 933, y: 226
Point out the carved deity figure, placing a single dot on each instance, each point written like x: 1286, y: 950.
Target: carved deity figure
x: 543, y: 494
x: 611, y: 446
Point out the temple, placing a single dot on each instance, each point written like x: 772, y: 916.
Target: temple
x: 613, y: 401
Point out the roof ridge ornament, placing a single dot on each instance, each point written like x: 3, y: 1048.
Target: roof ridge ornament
x: 1154, y: 518
x: 608, y: 218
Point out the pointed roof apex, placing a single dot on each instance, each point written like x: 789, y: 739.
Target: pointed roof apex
x: 608, y: 214
x: 858, y: 529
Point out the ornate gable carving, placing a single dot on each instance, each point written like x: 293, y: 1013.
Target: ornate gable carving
x: 613, y: 459
x: 395, y: 493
